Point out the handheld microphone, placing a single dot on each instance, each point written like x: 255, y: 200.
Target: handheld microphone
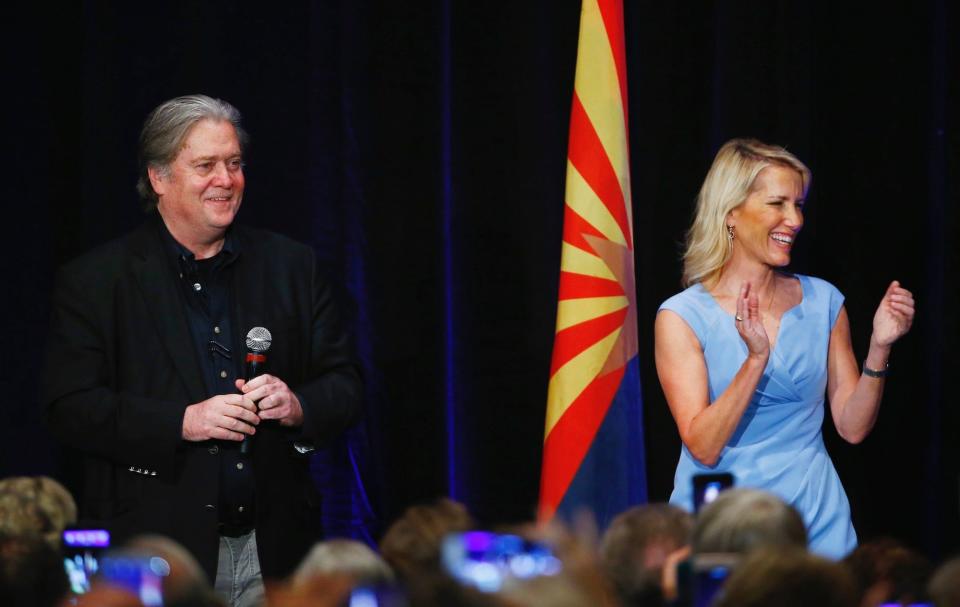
x: 258, y: 342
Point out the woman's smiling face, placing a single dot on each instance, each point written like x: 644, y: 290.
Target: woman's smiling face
x: 767, y: 222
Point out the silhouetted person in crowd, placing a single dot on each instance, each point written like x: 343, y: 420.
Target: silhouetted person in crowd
x: 106, y: 595
x: 944, y: 586
x: 186, y: 585
x: 740, y: 520
x: 318, y: 591
x: 636, y: 546
x: 579, y: 581
x: 886, y: 571
x: 412, y: 544
x: 31, y: 572
x: 782, y: 576
x: 36, y: 505
x: 344, y: 557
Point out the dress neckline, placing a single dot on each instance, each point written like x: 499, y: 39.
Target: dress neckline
x: 788, y: 312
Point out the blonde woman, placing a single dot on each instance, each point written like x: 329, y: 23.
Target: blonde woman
x: 748, y: 351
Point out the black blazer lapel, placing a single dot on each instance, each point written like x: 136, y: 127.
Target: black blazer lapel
x: 156, y: 280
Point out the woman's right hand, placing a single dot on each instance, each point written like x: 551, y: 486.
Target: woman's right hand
x: 749, y: 323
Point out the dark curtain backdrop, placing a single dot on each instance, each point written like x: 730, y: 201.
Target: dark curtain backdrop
x: 420, y: 147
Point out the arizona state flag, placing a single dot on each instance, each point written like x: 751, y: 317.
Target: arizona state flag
x: 593, y: 454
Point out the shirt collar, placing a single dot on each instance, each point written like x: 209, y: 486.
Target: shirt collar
x: 227, y: 255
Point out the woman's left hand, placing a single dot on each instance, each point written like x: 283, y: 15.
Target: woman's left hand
x: 894, y: 316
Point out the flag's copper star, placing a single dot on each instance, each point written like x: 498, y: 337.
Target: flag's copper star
x: 620, y: 261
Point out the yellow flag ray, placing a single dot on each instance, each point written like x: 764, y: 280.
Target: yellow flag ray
x: 571, y: 379
x: 582, y: 199
x: 598, y: 88
x: 575, y: 311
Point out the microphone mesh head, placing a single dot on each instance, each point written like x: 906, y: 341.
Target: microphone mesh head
x: 259, y: 339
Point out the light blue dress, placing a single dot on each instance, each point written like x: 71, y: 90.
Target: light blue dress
x: 778, y: 445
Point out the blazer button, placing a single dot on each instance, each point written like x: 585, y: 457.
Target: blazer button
x: 210, y: 507
x: 214, y: 450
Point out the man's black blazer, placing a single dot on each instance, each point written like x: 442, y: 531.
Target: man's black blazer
x: 122, y: 367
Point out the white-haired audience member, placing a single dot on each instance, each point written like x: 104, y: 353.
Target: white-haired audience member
x: 348, y: 557
x: 944, y: 588
x: 741, y: 519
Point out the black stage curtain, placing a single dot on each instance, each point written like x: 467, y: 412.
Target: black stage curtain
x: 420, y: 147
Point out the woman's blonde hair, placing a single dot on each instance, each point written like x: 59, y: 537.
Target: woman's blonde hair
x: 36, y: 505
x: 727, y: 185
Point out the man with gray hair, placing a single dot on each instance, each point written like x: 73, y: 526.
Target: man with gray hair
x: 145, y: 375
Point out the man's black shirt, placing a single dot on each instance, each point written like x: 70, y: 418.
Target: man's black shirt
x: 207, y: 288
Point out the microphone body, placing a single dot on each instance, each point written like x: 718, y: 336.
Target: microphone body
x: 256, y: 364
x: 258, y: 342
